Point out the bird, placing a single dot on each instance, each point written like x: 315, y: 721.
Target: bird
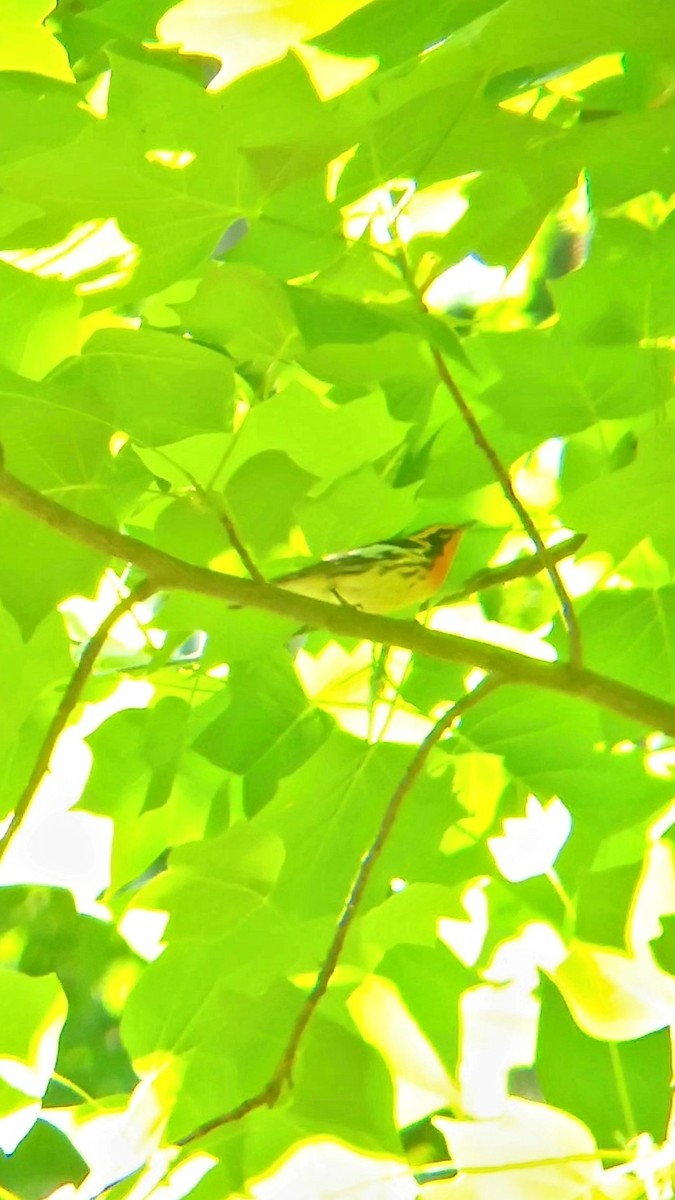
x: 382, y: 577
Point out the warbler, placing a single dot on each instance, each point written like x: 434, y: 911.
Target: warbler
x: 382, y: 577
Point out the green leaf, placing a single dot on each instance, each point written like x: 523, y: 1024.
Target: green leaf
x: 44, y: 1161
x: 167, y: 799
x: 50, y: 441
x: 389, y: 29
x: 172, y: 216
x: 271, y: 473
x: 457, y: 466
x: 344, y: 1089
x: 356, y: 510
x: 577, y: 765
x: 311, y: 223
x: 163, y: 748
x: 411, y: 917
x: 122, y: 17
x: 268, y: 729
x: 38, y: 125
x: 64, y: 569
x: 28, y: 46
x: 229, y: 1042
x: 617, y: 511
x: 240, y: 308
x: 421, y: 973
x: 42, y: 322
x: 323, y: 439
x: 154, y: 386
x: 613, y: 1088
x: 582, y: 30
x: 190, y: 530
x: 33, y: 1012
x: 324, y: 318
x: 640, y: 648
x: 622, y: 294
x: 388, y: 360
x: 551, y: 384
x: 95, y: 969
x: 604, y: 904
x: 29, y: 670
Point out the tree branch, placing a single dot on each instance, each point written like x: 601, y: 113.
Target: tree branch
x: 166, y: 571
x: 520, y: 568
x: 506, y: 484
x: 501, y: 475
x: 268, y: 1095
x: 63, y: 713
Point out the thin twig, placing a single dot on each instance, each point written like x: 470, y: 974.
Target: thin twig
x: 231, y: 530
x: 520, y: 568
x: 506, y: 484
x: 502, y: 476
x: 216, y: 505
x: 283, y: 1073
x: 69, y: 700
x: 170, y: 572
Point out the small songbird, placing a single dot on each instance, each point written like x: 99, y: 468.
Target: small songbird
x: 382, y: 577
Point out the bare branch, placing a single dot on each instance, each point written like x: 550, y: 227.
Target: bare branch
x: 283, y: 1074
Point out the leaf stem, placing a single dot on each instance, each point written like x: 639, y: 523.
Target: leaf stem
x: 434, y: 1172
x: 622, y: 1090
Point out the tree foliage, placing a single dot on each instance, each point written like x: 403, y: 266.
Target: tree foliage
x: 295, y: 899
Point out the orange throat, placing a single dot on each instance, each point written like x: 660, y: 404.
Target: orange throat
x: 443, y: 563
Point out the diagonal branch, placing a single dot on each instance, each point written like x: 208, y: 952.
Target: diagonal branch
x: 520, y: 568
x: 167, y: 571
x: 69, y: 700
x: 282, y: 1075
x: 506, y: 484
x: 501, y: 475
